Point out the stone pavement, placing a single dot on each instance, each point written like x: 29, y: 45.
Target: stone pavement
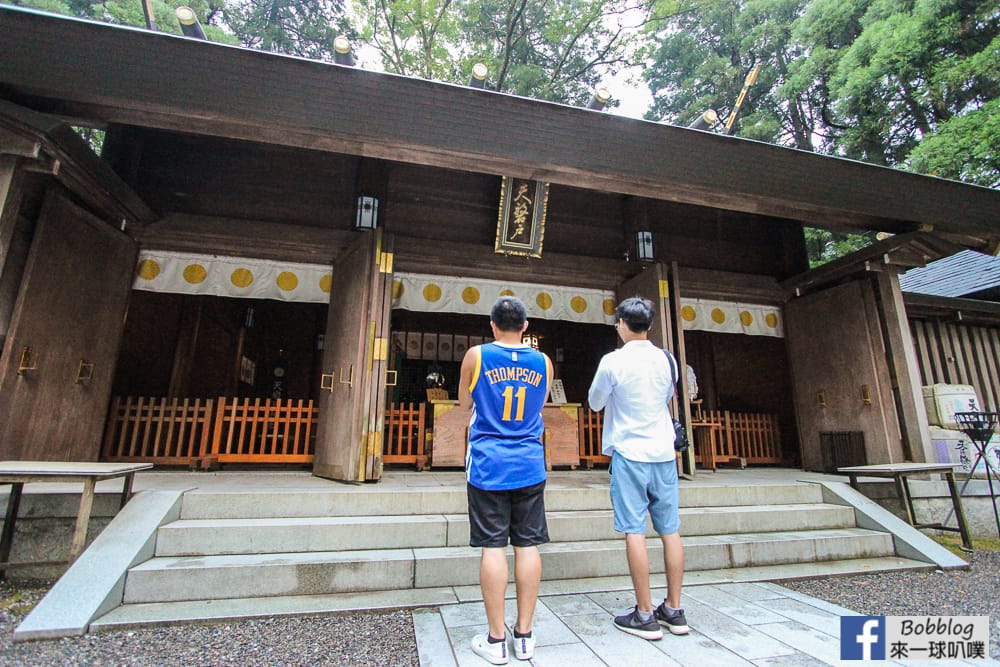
x: 731, y: 624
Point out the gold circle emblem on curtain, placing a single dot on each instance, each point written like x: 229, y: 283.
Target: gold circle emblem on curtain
x: 718, y: 316
x: 148, y: 269
x: 578, y: 304
x: 397, y: 289
x: 688, y: 313
x: 772, y: 320
x: 326, y: 282
x: 507, y: 292
x: 470, y: 295
x: 746, y: 319
x: 432, y: 292
x: 287, y: 281
x: 195, y: 273
x: 242, y: 277
x: 609, y: 306
x: 543, y: 300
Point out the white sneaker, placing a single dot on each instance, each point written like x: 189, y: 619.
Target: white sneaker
x: 524, y: 647
x: 495, y: 653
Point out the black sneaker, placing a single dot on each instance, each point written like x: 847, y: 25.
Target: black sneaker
x: 631, y: 624
x: 672, y: 620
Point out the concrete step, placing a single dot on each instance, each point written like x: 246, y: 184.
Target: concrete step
x: 165, y: 579
x: 181, y: 612
x: 360, y: 500
x: 192, y: 537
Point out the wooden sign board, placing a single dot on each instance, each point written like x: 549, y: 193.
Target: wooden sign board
x: 557, y: 392
x: 521, y: 224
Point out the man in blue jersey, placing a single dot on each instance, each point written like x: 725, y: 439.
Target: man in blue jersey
x: 632, y: 385
x: 506, y: 384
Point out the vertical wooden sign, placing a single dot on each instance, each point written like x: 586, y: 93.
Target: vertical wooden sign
x: 521, y: 224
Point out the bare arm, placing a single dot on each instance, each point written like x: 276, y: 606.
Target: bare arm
x: 548, y: 377
x: 465, y: 377
x: 600, y: 389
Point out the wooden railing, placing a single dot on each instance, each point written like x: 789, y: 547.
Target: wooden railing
x: 181, y: 431
x: 404, y: 437
x: 591, y: 424
x: 159, y: 430
x: 746, y: 437
x: 736, y: 437
x: 252, y: 430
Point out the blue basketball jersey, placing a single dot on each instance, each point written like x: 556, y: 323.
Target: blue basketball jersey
x: 509, y: 387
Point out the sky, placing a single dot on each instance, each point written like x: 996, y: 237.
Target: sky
x: 633, y: 96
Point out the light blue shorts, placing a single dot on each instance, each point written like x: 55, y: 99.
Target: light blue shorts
x: 638, y: 488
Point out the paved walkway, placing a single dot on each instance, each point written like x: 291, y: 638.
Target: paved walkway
x: 731, y: 624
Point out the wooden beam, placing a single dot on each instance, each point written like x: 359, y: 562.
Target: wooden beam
x: 897, y: 251
x: 67, y: 156
x: 15, y: 143
x: 420, y: 255
x: 245, y: 238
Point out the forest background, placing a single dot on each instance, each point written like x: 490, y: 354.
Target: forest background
x: 906, y: 84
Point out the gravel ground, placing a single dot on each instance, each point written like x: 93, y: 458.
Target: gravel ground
x: 354, y: 640
x: 388, y: 639
x: 972, y: 592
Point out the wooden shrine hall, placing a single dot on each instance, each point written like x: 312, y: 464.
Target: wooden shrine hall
x: 260, y: 259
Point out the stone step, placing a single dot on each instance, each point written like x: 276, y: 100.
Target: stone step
x: 166, y: 579
x: 181, y: 612
x: 365, y: 500
x: 193, y: 537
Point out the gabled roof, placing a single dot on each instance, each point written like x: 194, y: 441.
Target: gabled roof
x: 962, y: 274
x: 110, y: 74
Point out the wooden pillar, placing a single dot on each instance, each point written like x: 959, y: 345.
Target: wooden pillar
x: 901, y: 358
x: 13, y: 244
x: 683, y: 405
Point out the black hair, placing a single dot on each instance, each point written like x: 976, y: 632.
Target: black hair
x: 637, y: 313
x: 509, y: 314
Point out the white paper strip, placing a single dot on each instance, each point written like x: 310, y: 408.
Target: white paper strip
x: 475, y: 296
x: 188, y: 273
x: 730, y: 317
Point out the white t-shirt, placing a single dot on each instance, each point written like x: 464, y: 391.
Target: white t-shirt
x: 632, y: 385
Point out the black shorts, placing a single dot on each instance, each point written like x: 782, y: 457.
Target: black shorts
x: 517, y: 515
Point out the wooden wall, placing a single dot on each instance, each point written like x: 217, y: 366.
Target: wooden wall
x: 240, y: 197
x: 190, y: 346
x: 956, y: 353
x: 745, y: 374
x: 215, y: 177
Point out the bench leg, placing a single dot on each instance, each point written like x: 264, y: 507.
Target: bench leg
x: 7, y: 537
x: 126, y: 490
x: 956, y: 503
x: 82, y: 520
x: 904, y: 494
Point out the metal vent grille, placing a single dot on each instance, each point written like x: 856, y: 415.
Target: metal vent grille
x: 842, y: 448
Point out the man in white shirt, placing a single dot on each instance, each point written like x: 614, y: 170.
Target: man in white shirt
x: 632, y: 385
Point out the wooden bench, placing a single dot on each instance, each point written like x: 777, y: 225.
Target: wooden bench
x: 900, y: 472
x: 19, y: 473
